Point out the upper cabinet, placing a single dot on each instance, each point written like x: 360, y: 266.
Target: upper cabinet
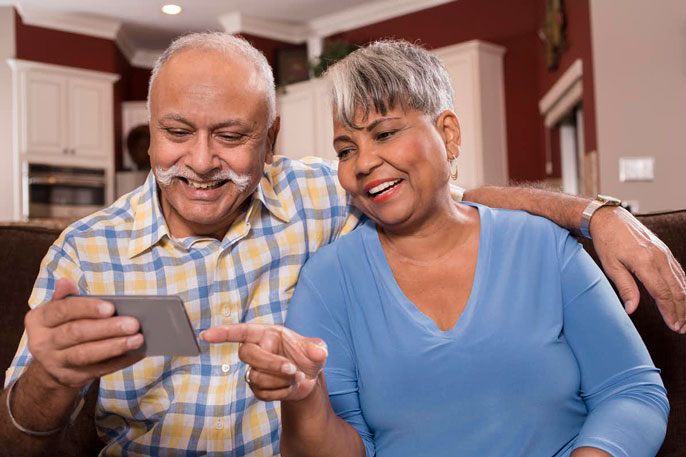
x: 476, y: 73
x: 306, y: 120
x: 63, y: 115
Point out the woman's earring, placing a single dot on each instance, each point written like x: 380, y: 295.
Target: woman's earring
x: 453, y: 168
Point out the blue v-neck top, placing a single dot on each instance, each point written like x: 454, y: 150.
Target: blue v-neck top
x: 542, y: 360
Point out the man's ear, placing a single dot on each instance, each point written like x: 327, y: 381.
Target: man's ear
x: 272, y: 134
x: 449, y: 128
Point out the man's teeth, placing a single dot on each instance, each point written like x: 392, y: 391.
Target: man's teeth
x: 203, y: 186
x: 383, y: 186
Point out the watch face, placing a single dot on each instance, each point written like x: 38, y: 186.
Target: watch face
x: 607, y: 200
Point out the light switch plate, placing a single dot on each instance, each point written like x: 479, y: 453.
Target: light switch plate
x: 636, y: 169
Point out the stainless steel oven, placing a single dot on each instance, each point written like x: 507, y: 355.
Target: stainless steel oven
x: 64, y: 192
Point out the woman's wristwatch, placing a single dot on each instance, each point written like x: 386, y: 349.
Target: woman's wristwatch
x: 597, y: 203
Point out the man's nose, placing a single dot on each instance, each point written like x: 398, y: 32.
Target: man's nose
x: 201, y: 158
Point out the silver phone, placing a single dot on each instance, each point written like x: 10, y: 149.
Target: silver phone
x: 165, y: 326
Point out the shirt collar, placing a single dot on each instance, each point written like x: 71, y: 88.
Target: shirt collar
x: 149, y: 225
x: 266, y: 193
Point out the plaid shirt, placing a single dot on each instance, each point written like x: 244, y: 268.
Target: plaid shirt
x: 197, y: 405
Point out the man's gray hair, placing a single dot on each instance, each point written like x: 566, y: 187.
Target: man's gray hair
x: 385, y: 73
x: 232, y: 46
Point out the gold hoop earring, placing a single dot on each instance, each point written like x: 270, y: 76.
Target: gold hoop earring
x: 453, y: 168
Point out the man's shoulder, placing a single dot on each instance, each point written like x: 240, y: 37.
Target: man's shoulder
x: 284, y: 170
x: 310, y: 183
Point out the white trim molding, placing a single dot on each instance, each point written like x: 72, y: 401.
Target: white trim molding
x: 323, y: 26
x: 23, y: 65
x: 366, y: 14
x: 567, y: 91
x: 290, y: 32
x: 84, y: 25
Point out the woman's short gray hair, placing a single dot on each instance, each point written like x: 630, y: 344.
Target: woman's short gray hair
x: 385, y: 73
x: 230, y: 45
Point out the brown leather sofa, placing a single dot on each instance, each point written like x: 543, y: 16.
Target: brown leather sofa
x: 23, y: 247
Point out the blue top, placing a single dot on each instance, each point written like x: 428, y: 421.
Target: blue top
x: 542, y: 360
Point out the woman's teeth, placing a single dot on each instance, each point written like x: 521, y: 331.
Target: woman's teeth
x: 376, y: 190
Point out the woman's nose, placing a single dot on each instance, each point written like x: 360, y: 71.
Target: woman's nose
x: 367, y: 159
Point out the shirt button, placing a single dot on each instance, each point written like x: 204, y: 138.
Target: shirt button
x: 219, y: 425
x: 226, y: 367
x: 226, y: 311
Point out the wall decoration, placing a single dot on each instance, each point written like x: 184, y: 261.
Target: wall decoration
x: 554, y: 33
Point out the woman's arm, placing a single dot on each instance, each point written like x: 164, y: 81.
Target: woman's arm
x: 626, y: 401
x: 312, y: 428
x: 624, y: 245
x: 287, y: 367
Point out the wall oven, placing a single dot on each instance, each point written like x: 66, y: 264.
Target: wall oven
x: 63, y: 192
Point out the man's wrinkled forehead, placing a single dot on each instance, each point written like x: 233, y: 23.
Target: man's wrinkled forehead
x: 202, y: 73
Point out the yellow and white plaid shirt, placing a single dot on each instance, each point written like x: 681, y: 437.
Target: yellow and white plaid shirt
x: 197, y: 405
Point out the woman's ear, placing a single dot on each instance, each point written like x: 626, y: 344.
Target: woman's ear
x: 449, y: 128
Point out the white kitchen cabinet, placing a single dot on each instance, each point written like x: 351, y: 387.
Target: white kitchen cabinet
x: 306, y: 121
x: 476, y: 72
x: 62, y: 116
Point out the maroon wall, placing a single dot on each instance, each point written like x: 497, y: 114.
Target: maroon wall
x: 513, y: 25
x: 81, y: 51
x: 579, y: 46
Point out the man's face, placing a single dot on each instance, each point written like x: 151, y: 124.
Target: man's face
x: 209, y: 139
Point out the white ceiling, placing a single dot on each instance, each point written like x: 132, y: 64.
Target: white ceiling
x: 146, y: 27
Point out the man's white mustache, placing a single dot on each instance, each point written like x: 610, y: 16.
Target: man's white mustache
x: 165, y: 176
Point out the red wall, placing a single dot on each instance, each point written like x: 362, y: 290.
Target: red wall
x: 513, y: 25
x: 81, y: 51
x: 579, y: 46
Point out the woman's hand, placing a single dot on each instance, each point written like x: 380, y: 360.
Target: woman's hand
x: 282, y: 364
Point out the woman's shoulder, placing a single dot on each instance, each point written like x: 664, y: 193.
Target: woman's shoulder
x: 341, y: 255
x: 508, y: 219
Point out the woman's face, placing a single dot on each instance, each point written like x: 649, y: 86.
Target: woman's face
x: 395, y: 166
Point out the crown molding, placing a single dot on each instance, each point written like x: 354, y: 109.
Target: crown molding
x: 145, y: 58
x: 84, y: 25
x: 289, y: 32
x: 125, y: 45
x: 300, y: 32
x: 367, y: 14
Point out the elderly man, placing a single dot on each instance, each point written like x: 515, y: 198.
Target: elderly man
x: 227, y: 226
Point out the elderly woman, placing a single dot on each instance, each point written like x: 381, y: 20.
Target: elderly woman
x: 447, y: 328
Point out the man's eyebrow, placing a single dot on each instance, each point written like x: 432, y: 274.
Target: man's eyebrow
x: 227, y: 123
x: 231, y: 123
x: 176, y: 117
x: 371, y: 126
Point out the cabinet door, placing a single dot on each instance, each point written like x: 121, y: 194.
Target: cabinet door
x: 44, y: 117
x: 297, y: 111
x: 89, y: 130
x: 324, y: 121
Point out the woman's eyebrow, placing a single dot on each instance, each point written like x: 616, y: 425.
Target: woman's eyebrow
x: 371, y: 126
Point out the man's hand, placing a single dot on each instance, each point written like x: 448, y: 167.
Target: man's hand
x: 74, y: 340
x: 626, y: 246
x: 283, y: 364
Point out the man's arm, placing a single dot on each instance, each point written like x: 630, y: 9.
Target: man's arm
x: 73, y: 341
x: 624, y: 245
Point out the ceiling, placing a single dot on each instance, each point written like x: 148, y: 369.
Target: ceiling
x: 146, y: 27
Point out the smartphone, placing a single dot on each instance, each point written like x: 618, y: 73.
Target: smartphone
x: 165, y: 326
